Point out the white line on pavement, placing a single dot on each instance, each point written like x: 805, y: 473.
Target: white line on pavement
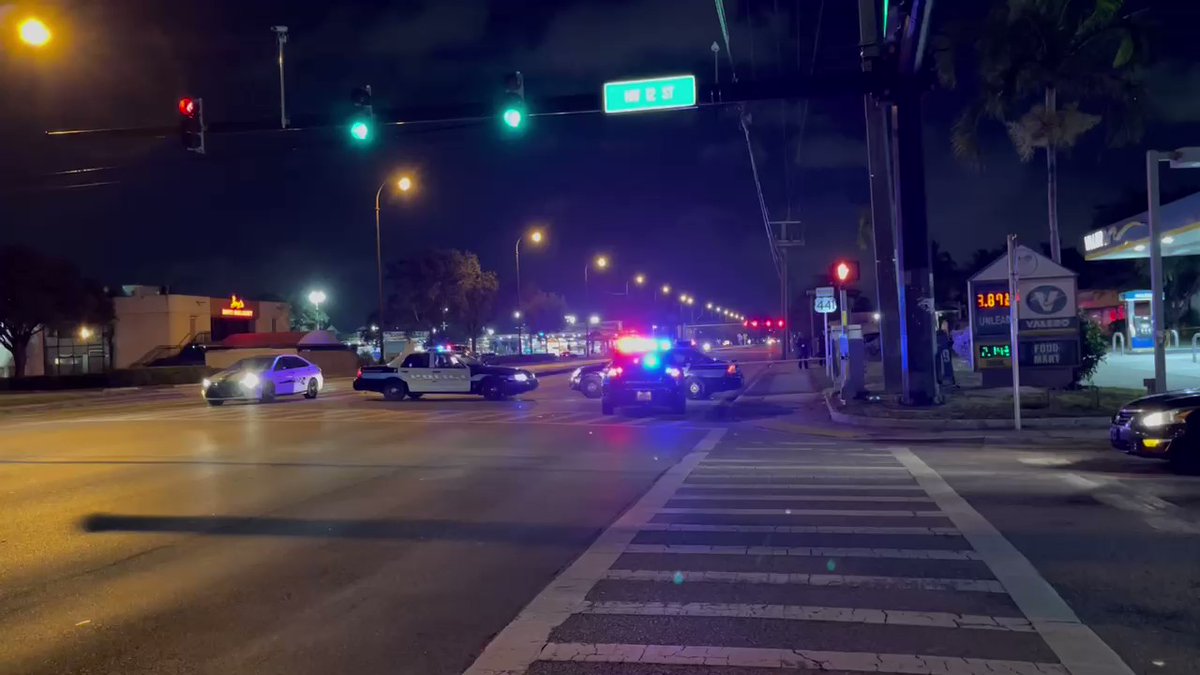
x: 805, y: 467
x: 793, y: 659
x: 518, y: 644
x: 806, y: 512
x: 805, y: 551
x: 692, y: 488
x: 1076, y: 645
x: 799, y: 529
x: 785, y: 578
x: 801, y: 498
x: 810, y: 613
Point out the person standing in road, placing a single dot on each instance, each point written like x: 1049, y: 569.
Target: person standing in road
x: 802, y: 350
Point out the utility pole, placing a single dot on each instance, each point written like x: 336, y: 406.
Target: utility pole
x: 783, y: 244
x: 882, y: 212
x: 281, y: 38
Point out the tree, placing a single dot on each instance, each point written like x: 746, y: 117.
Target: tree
x: 306, y: 316
x: 1040, y: 63
x: 476, y: 298
x: 36, y: 292
x: 421, y: 288
x: 543, y: 312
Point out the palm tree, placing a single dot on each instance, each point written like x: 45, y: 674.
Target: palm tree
x: 1041, y: 63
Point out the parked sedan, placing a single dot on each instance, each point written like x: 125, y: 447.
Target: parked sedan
x: 588, y: 380
x: 1164, y: 426
x: 262, y: 378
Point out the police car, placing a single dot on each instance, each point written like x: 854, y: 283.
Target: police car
x: 423, y: 373
x: 262, y: 378
x: 641, y: 374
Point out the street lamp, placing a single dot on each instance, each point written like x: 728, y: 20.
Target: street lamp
x: 639, y: 279
x: 570, y: 319
x: 534, y: 236
x: 594, y: 319
x: 33, y: 32
x: 404, y: 184
x: 317, y: 297
x: 601, y: 263
x: 85, y: 333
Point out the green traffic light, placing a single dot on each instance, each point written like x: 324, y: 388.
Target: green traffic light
x: 513, y: 117
x: 360, y: 131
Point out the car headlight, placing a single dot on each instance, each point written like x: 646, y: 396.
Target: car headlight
x: 576, y: 373
x: 520, y: 377
x: 673, y: 371
x: 205, y: 383
x: 249, y: 380
x: 1163, y: 418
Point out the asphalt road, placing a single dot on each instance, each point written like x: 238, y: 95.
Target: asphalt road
x: 152, y: 534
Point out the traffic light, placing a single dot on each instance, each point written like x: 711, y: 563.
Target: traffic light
x: 191, y: 124
x: 844, y: 272
x: 512, y: 112
x: 362, y: 125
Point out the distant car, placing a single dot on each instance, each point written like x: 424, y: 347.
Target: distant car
x: 1164, y: 426
x: 262, y: 378
x: 703, y: 375
x: 643, y: 378
x: 423, y: 373
x: 588, y: 380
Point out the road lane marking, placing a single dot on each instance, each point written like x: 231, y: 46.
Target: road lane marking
x: 691, y: 488
x: 800, y: 529
x: 1080, y: 650
x: 805, y: 551
x: 805, y: 512
x: 810, y: 613
x: 520, y: 642
x: 802, y: 498
x: 792, y: 659
x: 697, y: 479
x: 799, y: 578
x: 804, y: 467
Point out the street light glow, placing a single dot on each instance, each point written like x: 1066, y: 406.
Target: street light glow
x: 316, y: 298
x: 601, y: 262
x: 33, y: 32
x: 405, y: 183
x: 666, y: 288
x: 708, y: 305
x: 570, y: 319
x: 85, y: 332
x: 536, y: 236
x: 594, y: 319
x: 517, y: 314
x: 639, y: 279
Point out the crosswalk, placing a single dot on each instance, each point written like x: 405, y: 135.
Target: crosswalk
x: 799, y: 557
x: 386, y: 413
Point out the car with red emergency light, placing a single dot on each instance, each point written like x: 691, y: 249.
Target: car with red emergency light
x: 641, y: 375
x: 1163, y: 426
x: 704, y: 375
x: 262, y: 378
x: 421, y: 373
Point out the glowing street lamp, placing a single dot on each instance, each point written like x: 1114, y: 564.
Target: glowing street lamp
x: 405, y: 183
x: 316, y: 298
x: 85, y: 333
x: 639, y: 279
x: 594, y: 319
x: 601, y: 263
x: 517, y: 314
x: 33, y: 32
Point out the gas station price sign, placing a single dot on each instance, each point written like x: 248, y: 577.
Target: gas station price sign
x: 995, y: 351
x: 993, y: 300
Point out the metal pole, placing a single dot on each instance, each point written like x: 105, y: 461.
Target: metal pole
x: 379, y: 268
x: 587, y: 345
x: 825, y: 344
x: 1156, y: 272
x: 281, y: 37
x: 518, y: 256
x: 1014, y: 346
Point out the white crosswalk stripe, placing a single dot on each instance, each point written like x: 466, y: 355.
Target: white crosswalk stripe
x: 918, y: 606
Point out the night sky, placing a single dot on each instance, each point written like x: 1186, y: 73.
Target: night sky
x: 669, y: 194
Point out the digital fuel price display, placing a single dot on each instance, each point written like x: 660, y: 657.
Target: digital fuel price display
x: 995, y: 351
x: 999, y: 300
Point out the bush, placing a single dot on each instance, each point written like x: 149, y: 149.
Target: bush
x: 1092, y: 349
x: 134, y: 377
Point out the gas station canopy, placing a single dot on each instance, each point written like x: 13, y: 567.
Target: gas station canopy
x: 1129, y: 238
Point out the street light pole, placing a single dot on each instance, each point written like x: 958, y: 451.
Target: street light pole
x: 281, y: 38
x: 379, y: 268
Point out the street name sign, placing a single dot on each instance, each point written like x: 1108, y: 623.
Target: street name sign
x: 655, y: 93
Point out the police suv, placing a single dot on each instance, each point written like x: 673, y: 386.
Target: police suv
x: 423, y: 373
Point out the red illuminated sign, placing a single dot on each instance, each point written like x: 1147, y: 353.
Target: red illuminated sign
x: 237, y: 309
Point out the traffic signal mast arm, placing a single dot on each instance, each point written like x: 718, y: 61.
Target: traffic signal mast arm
x: 724, y: 93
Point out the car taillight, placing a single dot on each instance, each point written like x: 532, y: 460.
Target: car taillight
x: 615, y: 371
x: 359, y: 375
x: 731, y: 370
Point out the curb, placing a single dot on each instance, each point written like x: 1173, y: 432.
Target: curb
x: 964, y: 424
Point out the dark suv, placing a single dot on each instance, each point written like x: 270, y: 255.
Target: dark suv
x: 643, y: 379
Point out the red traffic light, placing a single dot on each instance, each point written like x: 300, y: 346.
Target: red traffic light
x: 187, y: 107
x: 780, y: 323
x: 844, y: 271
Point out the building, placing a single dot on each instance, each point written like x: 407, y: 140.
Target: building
x: 151, y: 324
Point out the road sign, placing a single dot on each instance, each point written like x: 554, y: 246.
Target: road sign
x: 824, y: 291
x: 656, y: 93
x: 824, y: 305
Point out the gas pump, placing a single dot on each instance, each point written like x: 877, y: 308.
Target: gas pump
x: 1138, y: 327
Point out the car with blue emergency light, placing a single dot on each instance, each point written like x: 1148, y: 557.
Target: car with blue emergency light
x: 1164, y: 426
x: 641, y: 375
x: 262, y: 378
x: 704, y: 375
x: 442, y: 372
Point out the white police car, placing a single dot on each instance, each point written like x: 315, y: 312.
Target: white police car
x: 262, y: 378
x: 423, y: 373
